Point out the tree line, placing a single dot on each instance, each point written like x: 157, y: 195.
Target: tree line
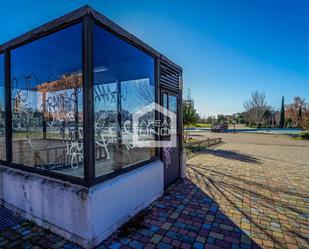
x: 258, y: 113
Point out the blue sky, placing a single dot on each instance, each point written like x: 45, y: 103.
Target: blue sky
x: 227, y: 48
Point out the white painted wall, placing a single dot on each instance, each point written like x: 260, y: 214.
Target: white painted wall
x: 84, y: 216
x: 122, y: 197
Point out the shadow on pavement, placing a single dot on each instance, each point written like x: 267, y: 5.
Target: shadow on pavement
x: 185, y: 217
x: 233, y: 155
x: 255, y: 198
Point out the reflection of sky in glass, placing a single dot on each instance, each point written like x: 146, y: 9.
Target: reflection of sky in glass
x: 2, y: 81
x: 105, y: 96
x: 48, y: 58
x: 116, y: 61
x: 45, y: 60
x: 137, y: 94
x: 2, y: 108
x: 172, y: 100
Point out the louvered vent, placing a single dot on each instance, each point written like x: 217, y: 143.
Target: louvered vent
x: 169, y: 76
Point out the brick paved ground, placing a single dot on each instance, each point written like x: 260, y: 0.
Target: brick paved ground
x: 251, y: 192
x: 26, y: 235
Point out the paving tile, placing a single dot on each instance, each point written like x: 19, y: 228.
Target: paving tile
x: 163, y: 245
x: 136, y: 245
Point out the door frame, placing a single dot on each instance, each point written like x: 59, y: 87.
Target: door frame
x: 178, y: 95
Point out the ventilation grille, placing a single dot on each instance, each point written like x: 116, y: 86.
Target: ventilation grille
x: 169, y: 76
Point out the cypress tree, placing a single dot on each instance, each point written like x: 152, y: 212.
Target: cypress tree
x: 300, y: 117
x: 282, y: 116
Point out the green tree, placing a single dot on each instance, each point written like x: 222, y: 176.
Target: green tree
x: 190, y: 117
x: 221, y: 118
x: 282, y: 114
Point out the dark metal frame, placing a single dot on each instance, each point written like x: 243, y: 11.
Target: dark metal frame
x: 87, y: 16
x: 178, y: 93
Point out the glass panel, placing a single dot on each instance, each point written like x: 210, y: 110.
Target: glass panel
x: 47, y: 103
x: 165, y: 102
x: 165, y: 121
x: 172, y: 101
x: 2, y: 110
x: 123, y: 84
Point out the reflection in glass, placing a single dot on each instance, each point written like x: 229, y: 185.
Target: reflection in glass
x: 123, y: 84
x: 2, y: 110
x: 165, y: 121
x: 47, y: 104
x: 172, y: 102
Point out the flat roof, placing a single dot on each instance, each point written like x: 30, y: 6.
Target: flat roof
x: 77, y: 15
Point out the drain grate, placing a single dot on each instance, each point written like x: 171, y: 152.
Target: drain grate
x: 8, y: 219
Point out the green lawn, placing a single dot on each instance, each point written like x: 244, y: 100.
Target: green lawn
x: 231, y: 126
x: 202, y: 125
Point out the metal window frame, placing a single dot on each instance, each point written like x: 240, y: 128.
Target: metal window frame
x: 88, y: 101
x: 5, y: 116
x: 87, y: 17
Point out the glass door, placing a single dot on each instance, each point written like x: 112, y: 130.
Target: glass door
x: 170, y: 151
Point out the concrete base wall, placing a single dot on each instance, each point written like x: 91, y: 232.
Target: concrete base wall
x: 115, y: 201
x: 84, y: 216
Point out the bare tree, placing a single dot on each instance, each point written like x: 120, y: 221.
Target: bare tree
x: 257, y: 110
x: 146, y: 92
